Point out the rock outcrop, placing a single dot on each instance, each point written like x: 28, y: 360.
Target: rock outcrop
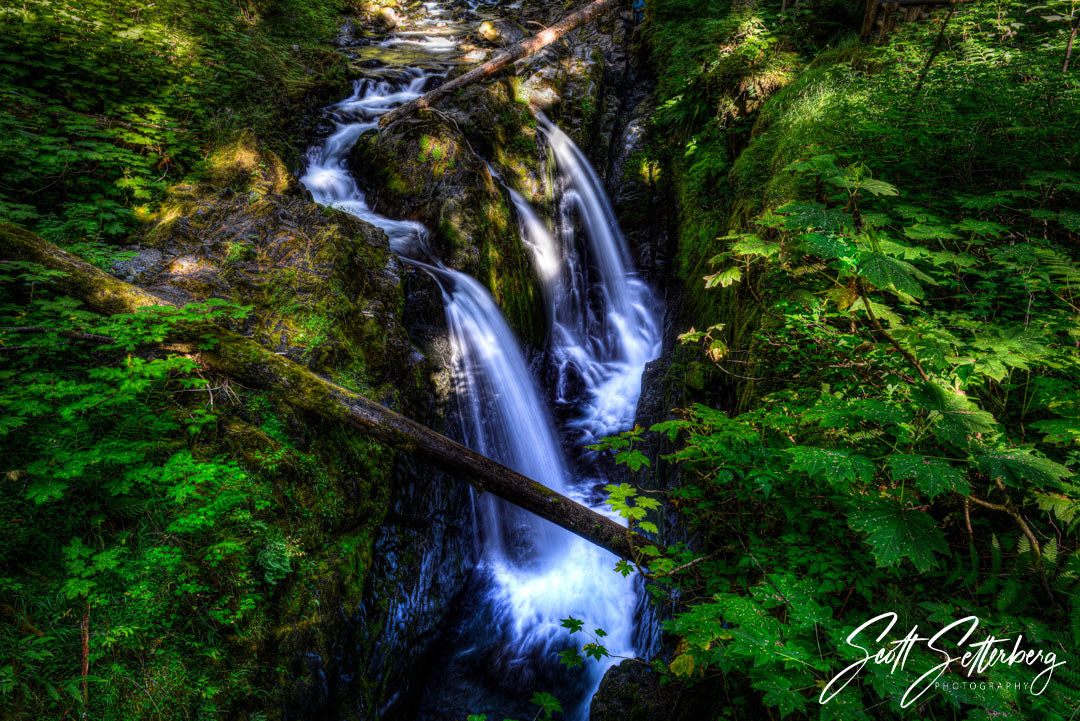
x: 500, y: 32
x: 386, y: 542
x: 426, y: 168
x: 631, y: 691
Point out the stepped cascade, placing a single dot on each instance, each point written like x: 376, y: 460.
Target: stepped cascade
x: 604, y: 328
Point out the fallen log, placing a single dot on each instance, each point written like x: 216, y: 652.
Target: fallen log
x: 242, y: 358
x: 523, y: 49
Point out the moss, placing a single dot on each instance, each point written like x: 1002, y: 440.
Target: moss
x: 452, y: 192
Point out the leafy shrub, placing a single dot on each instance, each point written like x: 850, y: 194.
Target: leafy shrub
x: 893, y: 282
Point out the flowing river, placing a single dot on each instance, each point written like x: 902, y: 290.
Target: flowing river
x: 604, y: 326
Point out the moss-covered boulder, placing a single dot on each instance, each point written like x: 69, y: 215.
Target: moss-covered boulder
x: 424, y: 167
x: 324, y: 286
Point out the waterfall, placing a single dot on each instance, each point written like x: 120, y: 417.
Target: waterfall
x: 605, y: 321
x: 503, y: 417
x: 604, y: 329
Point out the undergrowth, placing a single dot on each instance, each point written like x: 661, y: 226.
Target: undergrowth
x: 889, y: 252
x: 105, y: 104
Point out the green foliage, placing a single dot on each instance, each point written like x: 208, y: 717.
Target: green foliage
x: 891, y: 291
x: 594, y: 649
x: 123, y: 512
x: 548, y: 704
x: 104, y: 104
x: 884, y: 433
x: 623, y: 498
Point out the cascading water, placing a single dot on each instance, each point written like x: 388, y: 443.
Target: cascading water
x: 605, y: 321
x: 604, y: 329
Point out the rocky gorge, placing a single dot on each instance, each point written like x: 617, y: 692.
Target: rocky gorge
x: 370, y: 320
x: 620, y: 382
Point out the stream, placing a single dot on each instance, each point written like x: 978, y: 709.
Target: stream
x: 604, y: 327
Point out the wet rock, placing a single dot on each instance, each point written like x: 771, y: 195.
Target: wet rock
x: 500, y: 32
x: 385, y: 19
x: 145, y: 258
x: 423, y: 167
x: 391, y: 546
x: 631, y: 691
x: 348, y: 35
x: 243, y: 165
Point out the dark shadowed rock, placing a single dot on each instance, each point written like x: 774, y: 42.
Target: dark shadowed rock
x: 348, y: 35
x: 632, y: 691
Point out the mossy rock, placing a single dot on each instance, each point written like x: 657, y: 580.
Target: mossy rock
x: 245, y: 166
x: 325, y: 291
x: 423, y: 167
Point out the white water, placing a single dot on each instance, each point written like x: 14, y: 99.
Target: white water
x: 604, y: 330
x: 605, y: 321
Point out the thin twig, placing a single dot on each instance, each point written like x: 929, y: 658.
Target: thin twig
x: 937, y: 49
x: 1026, y: 529
x: 881, y: 329
x: 685, y: 566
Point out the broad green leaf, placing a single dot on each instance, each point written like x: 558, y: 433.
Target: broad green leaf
x: 878, y: 187
x: 572, y: 623
x: 830, y: 247
x: 1065, y: 508
x: 45, y: 489
x: 833, y: 412
x: 882, y: 312
x: 75, y: 587
x: 901, y: 250
x: 571, y: 658
x: 778, y: 693
x: 961, y: 419
x: 1070, y: 219
x: 682, y: 665
x: 831, y: 465
x: 669, y: 428
x: 930, y: 231
x: 895, y: 532
x: 891, y: 273
x: 548, y: 704
x: 801, y: 216
x: 632, y: 459
x: 751, y: 244
x: 799, y: 597
x: 1015, y: 467
x: 980, y: 227
x: 932, y: 476
x: 1064, y: 431
x: 724, y: 278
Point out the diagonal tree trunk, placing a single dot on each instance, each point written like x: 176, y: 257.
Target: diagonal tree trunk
x: 242, y: 358
x: 523, y: 49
